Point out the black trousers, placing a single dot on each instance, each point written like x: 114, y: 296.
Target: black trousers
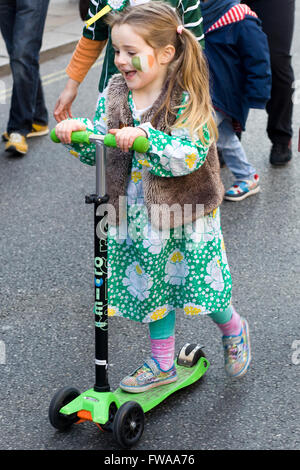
x: 22, y: 25
x: 277, y: 18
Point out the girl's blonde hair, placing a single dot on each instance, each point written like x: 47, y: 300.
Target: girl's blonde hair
x: 157, y: 24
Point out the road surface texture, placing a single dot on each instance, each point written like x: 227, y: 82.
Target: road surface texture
x: 46, y: 285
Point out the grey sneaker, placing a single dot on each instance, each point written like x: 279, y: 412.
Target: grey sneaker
x: 237, y: 352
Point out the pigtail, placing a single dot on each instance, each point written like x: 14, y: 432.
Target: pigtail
x: 191, y: 73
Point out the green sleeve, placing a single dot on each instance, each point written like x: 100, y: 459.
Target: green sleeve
x: 191, y: 17
x: 173, y: 155
x: 98, y: 31
x: 176, y: 154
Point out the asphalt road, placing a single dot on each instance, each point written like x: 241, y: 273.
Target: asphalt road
x: 46, y: 288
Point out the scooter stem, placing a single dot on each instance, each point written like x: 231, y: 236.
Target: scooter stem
x: 100, y: 272
x: 100, y: 168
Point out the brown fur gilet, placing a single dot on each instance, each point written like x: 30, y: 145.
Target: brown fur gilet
x: 203, y: 187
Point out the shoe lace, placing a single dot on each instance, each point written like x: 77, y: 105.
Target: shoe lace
x: 232, y: 345
x: 15, y: 137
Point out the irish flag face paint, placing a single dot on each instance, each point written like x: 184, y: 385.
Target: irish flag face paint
x: 143, y: 63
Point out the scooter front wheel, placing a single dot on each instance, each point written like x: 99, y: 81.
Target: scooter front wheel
x: 62, y: 397
x: 128, y: 424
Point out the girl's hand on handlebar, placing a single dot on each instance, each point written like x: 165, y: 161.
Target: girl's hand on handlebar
x: 64, y: 129
x: 126, y: 136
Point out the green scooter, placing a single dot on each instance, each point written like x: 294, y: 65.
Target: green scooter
x: 119, y: 412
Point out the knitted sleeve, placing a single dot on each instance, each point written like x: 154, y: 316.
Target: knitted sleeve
x: 86, y: 53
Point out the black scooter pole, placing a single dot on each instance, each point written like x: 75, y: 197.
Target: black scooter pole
x: 100, y: 270
x: 100, y: 199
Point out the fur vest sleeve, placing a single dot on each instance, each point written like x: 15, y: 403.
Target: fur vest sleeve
x: 170, y: 202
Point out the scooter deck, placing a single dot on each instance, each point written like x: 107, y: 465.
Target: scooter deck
x: 94, y: 406
x: 151, y: 398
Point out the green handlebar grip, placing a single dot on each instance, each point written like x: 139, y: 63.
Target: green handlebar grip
x: 77, y: 137
x: 53, y: 137
x: 81, y: 137
x: 110, y: 140
x: 140, y: 145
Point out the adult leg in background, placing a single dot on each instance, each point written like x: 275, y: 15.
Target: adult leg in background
x: 22, y: 24
x: 278, y: 25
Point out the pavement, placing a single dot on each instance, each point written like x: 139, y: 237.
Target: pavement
x: 63, y: 29
x: 47, y: 297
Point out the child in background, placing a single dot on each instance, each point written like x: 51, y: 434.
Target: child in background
x: 239, y: 63
x: 162, y: 92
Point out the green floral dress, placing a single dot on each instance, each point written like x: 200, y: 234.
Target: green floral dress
x: 149, y: 273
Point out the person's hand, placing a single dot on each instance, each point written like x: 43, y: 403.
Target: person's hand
x: 126, y: 136
x: 64, y: 129
x: 62, y: 108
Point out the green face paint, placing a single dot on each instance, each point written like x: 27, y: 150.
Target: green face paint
x: 143, y: 63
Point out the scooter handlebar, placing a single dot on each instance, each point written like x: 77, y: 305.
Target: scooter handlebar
x: 140, y: 145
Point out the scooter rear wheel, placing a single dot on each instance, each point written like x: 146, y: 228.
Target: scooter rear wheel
x: 128, y: 425
x: 189, y: 355
x: 62, y: 397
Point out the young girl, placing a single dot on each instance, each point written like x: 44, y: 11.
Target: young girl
x: 162, y: 93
